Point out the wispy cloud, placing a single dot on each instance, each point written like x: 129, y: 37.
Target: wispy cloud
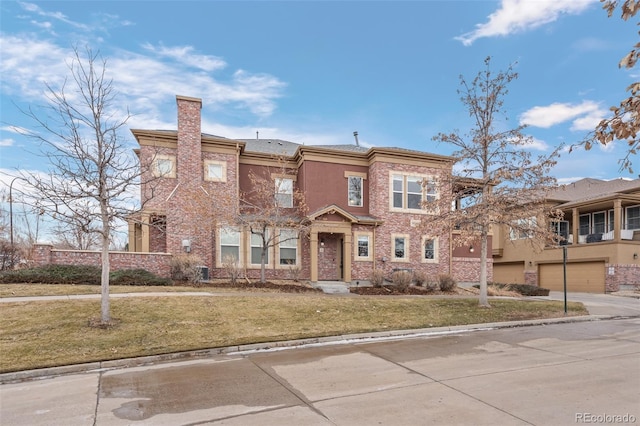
x: 37, y: 10
x: 143, y: 79
x: 187, y: 56
x: 6, y: 142
x: 584, y: 116
x: 516, y: 16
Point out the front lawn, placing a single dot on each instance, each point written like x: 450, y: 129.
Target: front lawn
x: 53, y: 333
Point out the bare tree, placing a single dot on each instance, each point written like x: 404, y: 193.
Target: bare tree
x: 90, y: 169
x: 624, y: 124
x: 499, y: 183
x: 73, y: 236
x: 274, y: 209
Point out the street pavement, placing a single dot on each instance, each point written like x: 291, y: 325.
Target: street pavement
x: 563, y: 373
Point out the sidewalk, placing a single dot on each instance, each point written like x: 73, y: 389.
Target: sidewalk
x: 600, y: 307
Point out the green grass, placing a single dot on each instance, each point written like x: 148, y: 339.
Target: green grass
x: 53, y: 333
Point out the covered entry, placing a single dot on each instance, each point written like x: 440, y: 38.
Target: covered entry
x: 585, y: 277
x: 330, y: 244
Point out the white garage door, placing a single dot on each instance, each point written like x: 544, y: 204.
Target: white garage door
x: 585, y: 277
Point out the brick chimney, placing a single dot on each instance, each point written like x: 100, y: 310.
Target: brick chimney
x: 189, y: 156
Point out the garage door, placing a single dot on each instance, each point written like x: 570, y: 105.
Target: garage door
x: 508, y: 273
x: 585, y: 277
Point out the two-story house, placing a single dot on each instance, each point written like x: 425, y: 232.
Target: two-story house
x: 600, y: 234
x: 364, y: 205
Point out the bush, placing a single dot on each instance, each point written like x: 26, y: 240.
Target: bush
x: 420, y: 278
x: 377, y: 278
x: 230, y: 265
x: 80, y: 274
x: 523, y: 289
x: 136, y: 277
x: 431, y: 285
x: 402, y: 279
x: 294, y: 272
x: 54, y: 274
x: 186, y: 267
x: 447, y: 283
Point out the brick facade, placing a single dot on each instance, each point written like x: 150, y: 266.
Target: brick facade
x: 157, y: 263
x: 190, y: 206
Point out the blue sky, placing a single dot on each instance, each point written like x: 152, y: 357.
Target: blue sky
x: 315, y: 72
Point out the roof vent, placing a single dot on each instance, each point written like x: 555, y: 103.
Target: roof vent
x: 355, y: 135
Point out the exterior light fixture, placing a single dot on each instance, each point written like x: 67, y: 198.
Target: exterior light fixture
x: 635, y: 255
x: 471, y: 249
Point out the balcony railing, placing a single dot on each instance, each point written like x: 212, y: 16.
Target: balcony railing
x: 625, y: 234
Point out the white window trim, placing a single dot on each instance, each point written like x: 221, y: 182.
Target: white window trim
x: 276, y: 179
x: 363, y: 177
x: 531, y: 221
x: 590, y: 223
x: 241, y: 245
x: 270, y: 259
x: 436, y: 251
x: 156, y: 171
x: 406, y: 257
x: 276, y: 259
x: 356, y: 255
x: 223, y: 166
x: 405, y: 175
x: 626, y: 216
x: 610, y: 220
x: 604, y: 221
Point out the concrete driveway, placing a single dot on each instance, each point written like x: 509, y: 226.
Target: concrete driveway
x: 558, y: 374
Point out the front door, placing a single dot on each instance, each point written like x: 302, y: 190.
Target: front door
x: 330, y: 257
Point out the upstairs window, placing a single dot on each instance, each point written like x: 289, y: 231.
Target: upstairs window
x: 284, y: 192
x: 215, y: 171
x: 522, y: 229
x: 561, y: 229
x: 355, y: 190
x: 414, y: 192
x: 585, y: 224
x: 409, y: 192
x: 633, y: 217
x: 164, y: 166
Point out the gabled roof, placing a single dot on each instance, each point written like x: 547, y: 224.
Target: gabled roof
x: 334, y: 209
x: 590, y: 189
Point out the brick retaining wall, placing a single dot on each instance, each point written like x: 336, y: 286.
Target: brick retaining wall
x: 157, y: 263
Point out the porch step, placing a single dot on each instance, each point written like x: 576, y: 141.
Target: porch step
x: 333, y: 287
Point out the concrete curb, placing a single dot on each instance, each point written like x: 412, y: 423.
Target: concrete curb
x: 20, y: 376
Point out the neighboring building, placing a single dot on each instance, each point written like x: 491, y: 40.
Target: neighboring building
x: 601, y: 235
x: 364, y: 205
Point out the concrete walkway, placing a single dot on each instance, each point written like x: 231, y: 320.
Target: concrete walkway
x: 600, y: 306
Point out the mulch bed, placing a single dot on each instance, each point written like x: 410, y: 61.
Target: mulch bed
x: 285, y: 288
x: 389, y: 290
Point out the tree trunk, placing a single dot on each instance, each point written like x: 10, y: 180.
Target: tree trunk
x: 104, y: 277
x: 104, y: 282
x: 483, y: 299
x: 262, y: 263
